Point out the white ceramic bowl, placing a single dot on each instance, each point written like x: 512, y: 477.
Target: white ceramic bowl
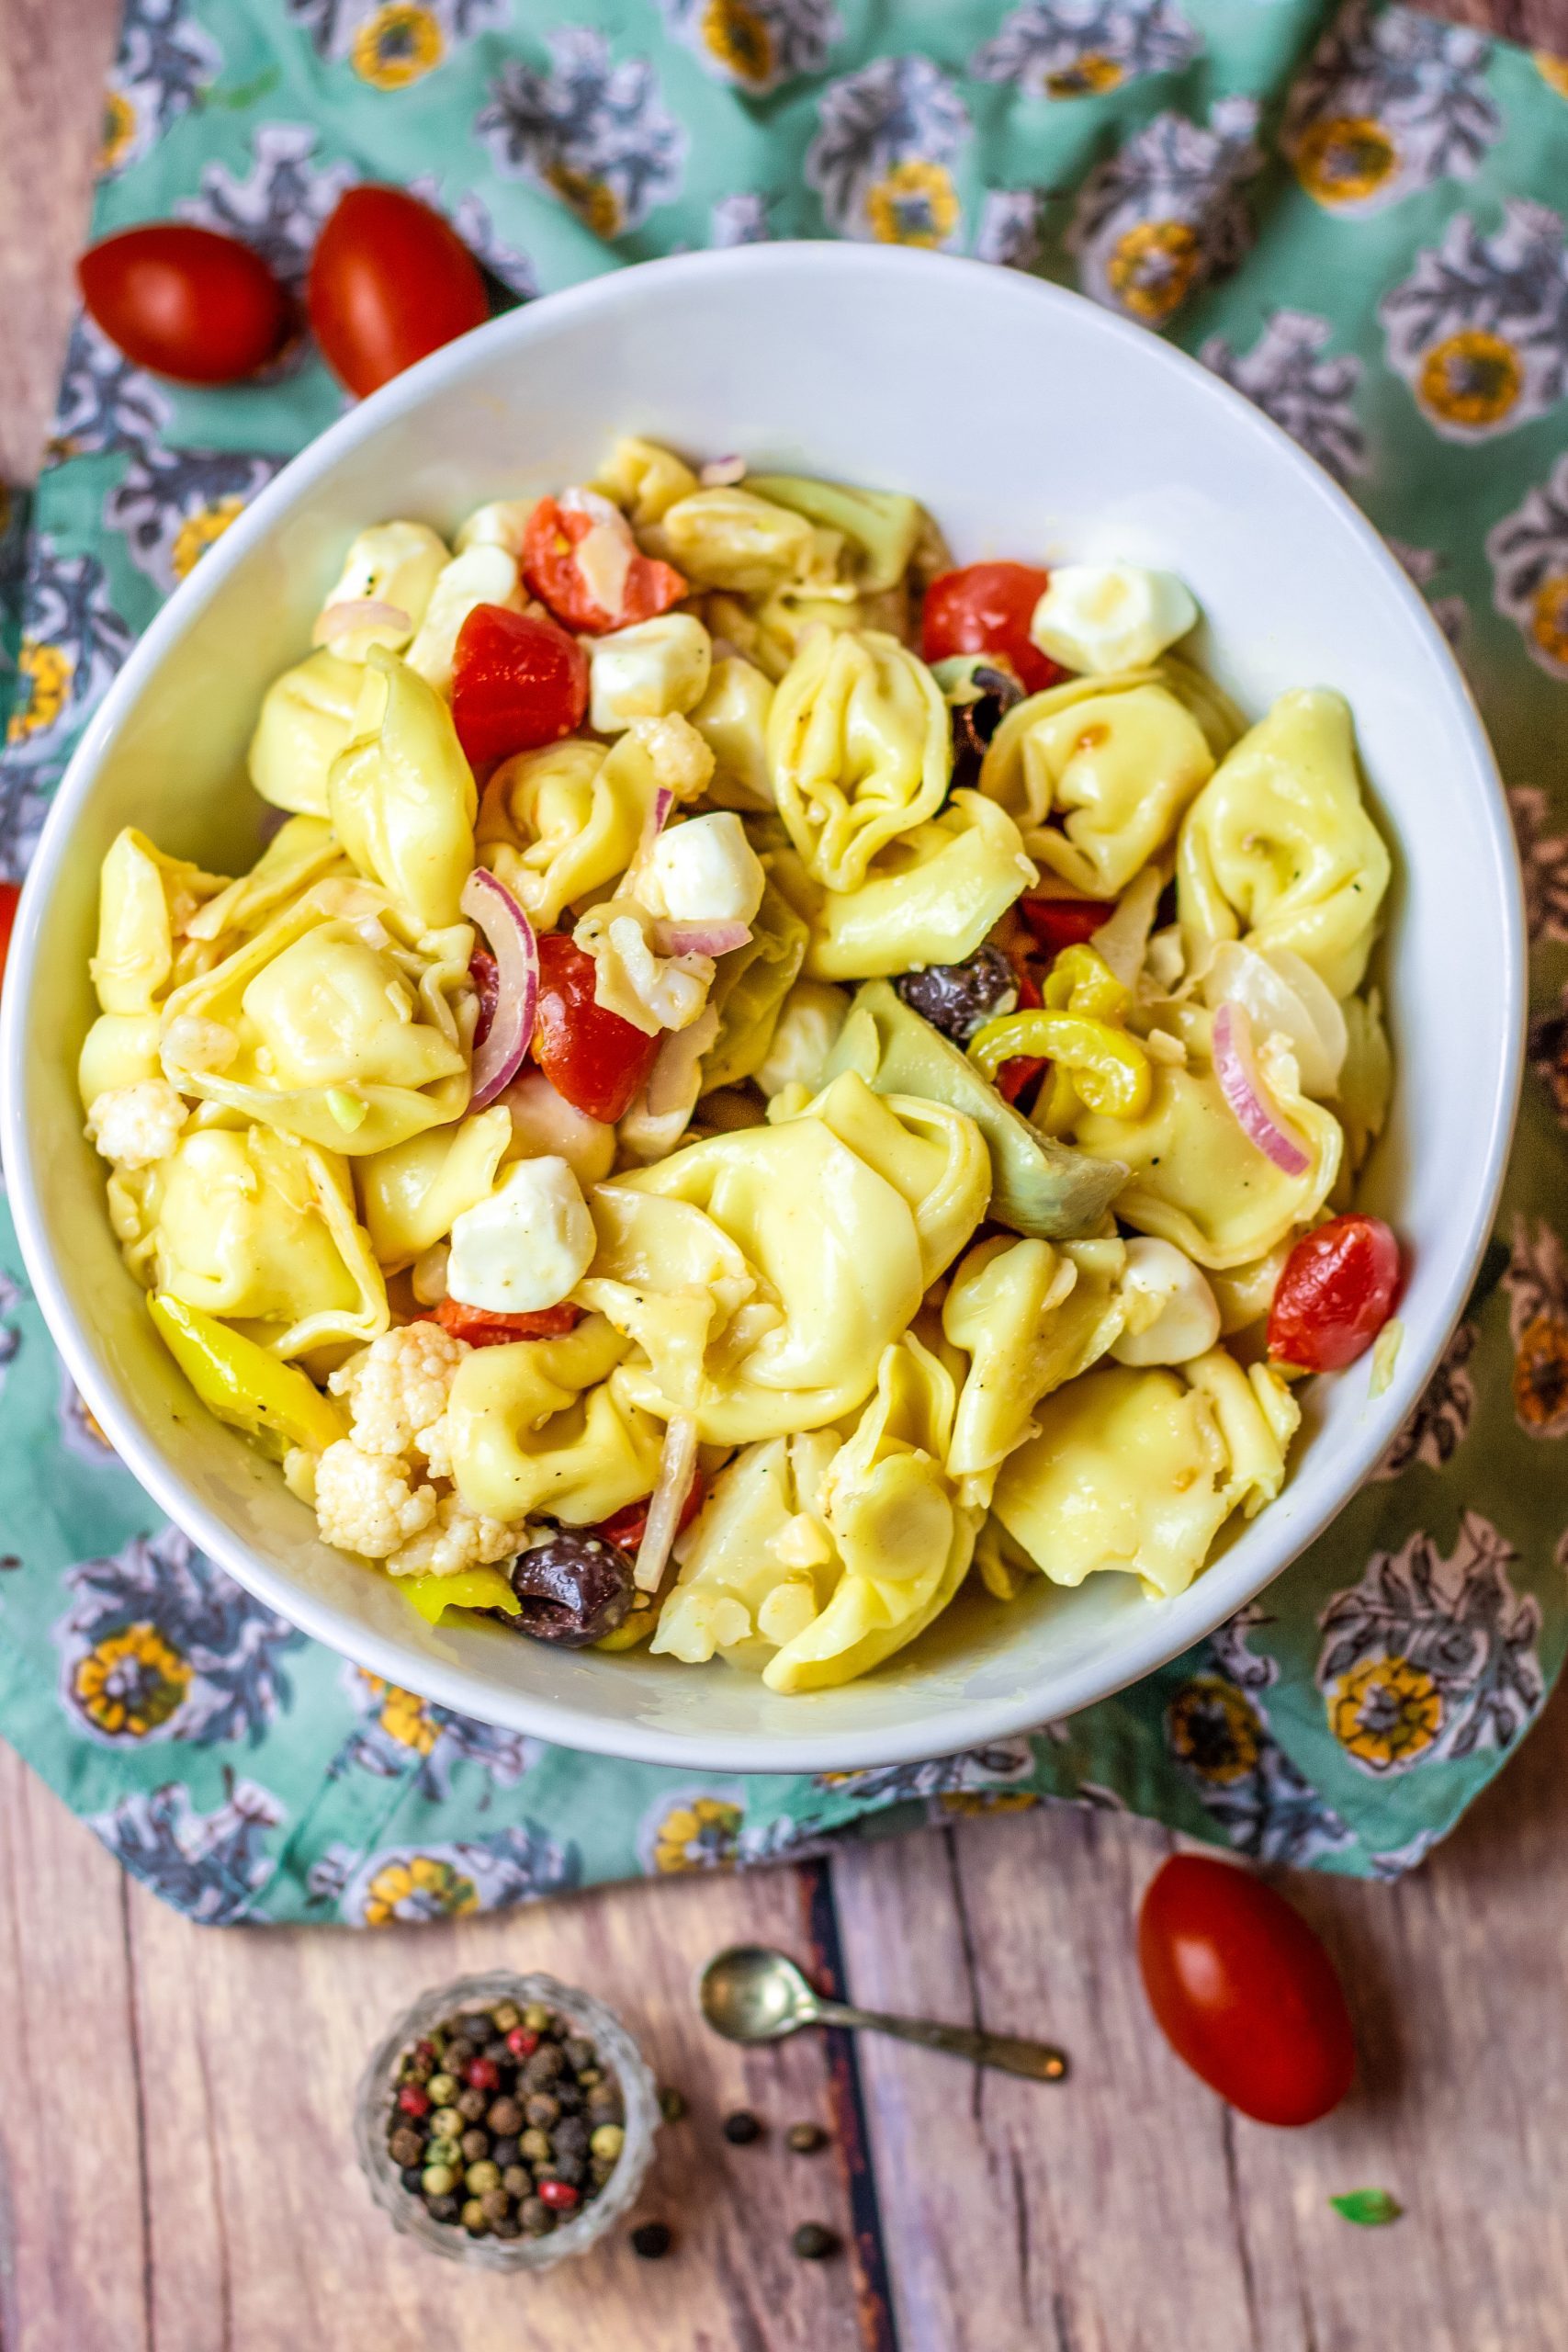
x: 1032, y: 424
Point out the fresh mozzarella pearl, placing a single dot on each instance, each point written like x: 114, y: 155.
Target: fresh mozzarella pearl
x: 482, y: 575
x: 1102, y: 618
x: 704, y: 871
x: 526, y: 1245
x: 649, y: 670
x: 1172, y: 1315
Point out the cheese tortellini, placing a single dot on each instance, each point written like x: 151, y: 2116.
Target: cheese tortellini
x: 707, y: 1185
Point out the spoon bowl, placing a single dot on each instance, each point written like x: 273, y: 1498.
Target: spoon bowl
x: 750, y: 1994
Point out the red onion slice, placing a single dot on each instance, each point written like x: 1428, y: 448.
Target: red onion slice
x: 1235, y: 1067
x: 357, y: 613
x: 700, y: 938
x: 498, y: 1057
x: 676, y: 1467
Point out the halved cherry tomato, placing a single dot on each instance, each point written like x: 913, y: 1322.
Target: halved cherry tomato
x: 1243, y: 1992
x: 592, y: 1058
x: 1335, y: 1293
x: 391, y: 281
x: 483, y: 1329
x: 550, y: 540
x: 185, y: 301
x: 518, y: 681
x: 9, y: 893
x: 987, y: 608
x: 1063, y: 923
x: 628, y: 1527
x: 1014, y: 1076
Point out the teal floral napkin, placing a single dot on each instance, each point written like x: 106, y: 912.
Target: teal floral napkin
x: 1351, y: 218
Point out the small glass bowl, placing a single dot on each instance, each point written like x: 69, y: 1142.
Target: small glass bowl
x: 621, y: 2057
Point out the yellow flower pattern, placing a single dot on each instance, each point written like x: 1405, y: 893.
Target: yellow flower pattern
x: 396, y: 45
x: 1385, y: 1713
x: 700, y: 1835
x: 118, y: 132
x: 1153, y: 267
x: 425, y: 1884
x: 1213, y: 1728
x: 198, y: 531
x: 738, y: 38
x: 916, y: 204
x: 129, y: 1683
x: 46, y: 672
x: 1344, y: 159
x: 1473, y: 377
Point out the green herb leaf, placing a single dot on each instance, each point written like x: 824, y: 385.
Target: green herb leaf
x: 1368, y: 2208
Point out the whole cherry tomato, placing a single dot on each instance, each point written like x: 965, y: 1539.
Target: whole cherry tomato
x: 627, y: 1527
x: 9, y: 893
x: 482, y: 1329
x: 1335, y: 1293
x: 1243, y: 1992
x: 518, y: 681
x: 391, y: 281
x: 1063, y: 923
x: 987, y: 608
x: 594, y: 1059
x: 550, y: 540
x: 185, y: 301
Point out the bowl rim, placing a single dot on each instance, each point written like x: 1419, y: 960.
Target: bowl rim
x: 1141, y: 1648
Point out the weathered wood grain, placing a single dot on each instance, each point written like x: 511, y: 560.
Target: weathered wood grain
x: 1128, y: 2206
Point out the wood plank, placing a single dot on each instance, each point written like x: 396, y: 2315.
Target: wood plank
x: 264, y: 2235
x: 1089, y: 2218
x: 1534, y: 23
x: 53, y: 59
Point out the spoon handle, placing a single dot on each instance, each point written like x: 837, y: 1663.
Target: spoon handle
x: 1015, y: 2055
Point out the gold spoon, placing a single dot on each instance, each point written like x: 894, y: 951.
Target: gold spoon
x: 750, y: 1994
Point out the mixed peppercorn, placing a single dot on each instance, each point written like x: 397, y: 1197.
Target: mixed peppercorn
x: 502, y: 2122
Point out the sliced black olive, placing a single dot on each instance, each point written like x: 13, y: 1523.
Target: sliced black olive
x: 974, y: 723
x: 958, y: 999
x: 575, y: 1587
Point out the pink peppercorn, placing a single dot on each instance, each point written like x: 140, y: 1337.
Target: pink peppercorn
x: 521, y: 2042
x: 482, y: 2075
x: 413, y: 2101
x: 558, y: 2194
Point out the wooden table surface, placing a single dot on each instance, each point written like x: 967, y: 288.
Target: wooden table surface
x: 176, y: 2173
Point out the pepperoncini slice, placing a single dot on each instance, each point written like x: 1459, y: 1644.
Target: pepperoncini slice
x: 468, y: 1589
x: 273, y: 1403
x: 1094, y: 1062
x: 1080, y: 980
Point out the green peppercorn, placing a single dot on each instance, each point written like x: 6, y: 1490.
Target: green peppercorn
x: 475, y: 2220
x: 536, y: 2020
x: 475, y: 2143
x: 438, y: 2180
x: 812, y: 2242
x: 444, y: 2151
x: 536, y: 2146
x: 481, y: 2177
x: 446, y: 2123
x: 507, y: 2015
x: 672, y: 2105
x: 588, y: 2077
x: 806, y: 2138
x: 608, y: 2141
x: 472, y: 2104
x: 442, y: 2089
x: 517, y: 2181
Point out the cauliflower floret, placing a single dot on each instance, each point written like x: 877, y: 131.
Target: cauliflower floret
x: 682, y: 761
x: 457, y: 1538
x: 365, y: 1502
x: 396, y: 1390
x: 192, y: 1043
x: 133, y: 1125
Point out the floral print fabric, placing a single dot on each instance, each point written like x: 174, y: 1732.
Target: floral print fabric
x: 1356, y: 217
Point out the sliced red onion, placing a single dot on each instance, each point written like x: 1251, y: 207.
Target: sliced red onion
x: 700, y: 938
x: 491, y: 908
x: 722, y: 473
x: 653, y: 824
x: 357, y: 613
x: 1235, y: 1067
x: 676, y: 1464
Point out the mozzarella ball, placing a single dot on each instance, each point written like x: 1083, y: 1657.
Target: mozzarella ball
x: 649, y: 671
x: 1173, y: 1314
x: 1102, y: 618
x: 526, y: 1245
x: 704, y: 871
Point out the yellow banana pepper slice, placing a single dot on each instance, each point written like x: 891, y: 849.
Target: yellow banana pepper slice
x: 273, y: 1403
x: 1108, y: 1070
x: 468, y: 1589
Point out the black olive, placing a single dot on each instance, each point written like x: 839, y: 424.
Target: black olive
x: 958, y: 998
x: 575, y: 1587
x: 974, y: 723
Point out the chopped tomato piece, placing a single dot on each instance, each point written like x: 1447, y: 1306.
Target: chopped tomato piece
x: 1063, y: 923
x: 551, y: 569
x: 518, y: 682
x: 592, y: 1058
x: 1015, y: 1075
x: 1335, y: 1293
x: 483, y: 1329
x: 628, y: 1527
x: 987, y: 608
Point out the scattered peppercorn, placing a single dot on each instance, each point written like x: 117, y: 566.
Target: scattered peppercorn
x: 741, y: 2128
x: 456, y: 2113
x: 806, y: 2138
x: 812, y: 2242
x: 651, y: 2240
x: 673, y: 2106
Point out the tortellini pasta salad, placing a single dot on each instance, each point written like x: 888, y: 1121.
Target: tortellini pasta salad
x: 760, y: 1076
